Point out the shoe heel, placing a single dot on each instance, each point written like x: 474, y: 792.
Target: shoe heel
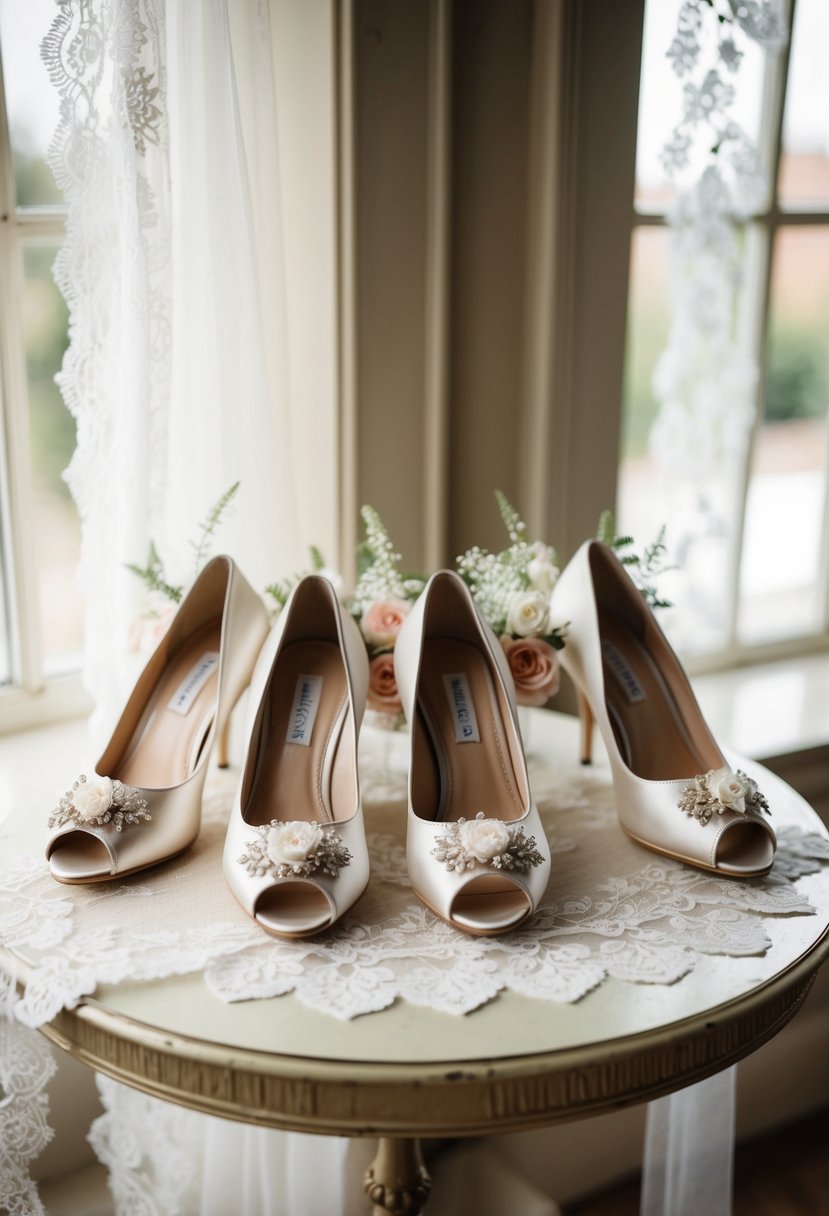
x: 222, y: 744
x: 587, y: 723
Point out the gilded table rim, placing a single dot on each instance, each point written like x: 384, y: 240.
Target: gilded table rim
x: 466, y: 1097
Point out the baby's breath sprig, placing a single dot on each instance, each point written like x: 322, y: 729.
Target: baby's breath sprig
x: 514, y: 524
x: 498, y: 580
x: 378, y: 563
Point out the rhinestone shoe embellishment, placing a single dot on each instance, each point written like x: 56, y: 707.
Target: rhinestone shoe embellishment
x: 721, y: 790
x: 482, y: 841
x: 296, y: 849
x: 97, y: 801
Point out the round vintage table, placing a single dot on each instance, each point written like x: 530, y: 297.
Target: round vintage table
x: 410, y: 1072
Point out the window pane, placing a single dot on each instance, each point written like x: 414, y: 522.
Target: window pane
x: 31, y: 99
x: 804, y: 164
x: 647, y: 334
x: 57, y: 528
x: 660, y: 94
x: 785, y: 509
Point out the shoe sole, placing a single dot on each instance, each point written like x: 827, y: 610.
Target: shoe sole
x: 690, y: 861
x: 291, y: 937
x: 475, y: 932
x: 81, y: 882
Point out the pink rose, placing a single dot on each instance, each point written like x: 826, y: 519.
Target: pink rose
x: 381, y: 622
x: 535, y: 668
x: 382, y: 685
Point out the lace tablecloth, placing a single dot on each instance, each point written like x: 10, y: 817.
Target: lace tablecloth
x: 612, y: 909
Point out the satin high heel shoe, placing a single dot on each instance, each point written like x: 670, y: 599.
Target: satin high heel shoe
x: 295, y: 855
x: 675, y: 792
x: 476, y: 849
x: 141, y: 804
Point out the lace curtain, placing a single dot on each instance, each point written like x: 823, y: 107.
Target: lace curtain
x: 172, y: 269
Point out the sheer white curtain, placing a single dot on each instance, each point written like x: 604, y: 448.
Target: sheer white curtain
x: 176, y: 371
x: 177, y: 377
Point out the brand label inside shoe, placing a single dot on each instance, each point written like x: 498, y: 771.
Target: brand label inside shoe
x: 304, y: 710
x: 624, y: 676
x: 192, y: 684
x: 463, y: 712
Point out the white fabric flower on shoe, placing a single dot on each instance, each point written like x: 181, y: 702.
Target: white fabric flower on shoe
x: 728, y: 789
x: 484, y: 839
x: 93, y: 798
x: 291, y: 843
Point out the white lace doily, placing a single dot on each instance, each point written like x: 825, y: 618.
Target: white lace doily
x: 611, y: 909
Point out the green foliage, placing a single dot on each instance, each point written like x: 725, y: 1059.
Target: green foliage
x: 645, y: 567
x: 152, y: 575
x: 797, y: 383
x: 202, y: 546
x: 279, y: 592
x: 34, y: 182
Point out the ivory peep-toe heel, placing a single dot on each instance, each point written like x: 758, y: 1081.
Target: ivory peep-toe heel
x: 141, y: 803
x: 295, y: 855
x: 675, y: 792
x: 476, y: 849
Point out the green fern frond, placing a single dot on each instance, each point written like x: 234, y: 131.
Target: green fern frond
x: 207, y: 527
x: 152, y: 576
x: 605, y: 532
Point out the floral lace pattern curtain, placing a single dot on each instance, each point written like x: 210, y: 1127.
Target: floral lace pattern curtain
x: 705, y: 381
x: 172, y: 269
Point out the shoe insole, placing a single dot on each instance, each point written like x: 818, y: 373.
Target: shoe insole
x: 464, y: 720
x: 647, y: 720
x: 459, y: 708
x: 302, y: 772
x: 168, y: 742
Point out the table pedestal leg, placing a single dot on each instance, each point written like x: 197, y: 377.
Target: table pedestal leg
x: 397, y: 1181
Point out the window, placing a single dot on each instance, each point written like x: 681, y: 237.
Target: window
x: 755, y: 552
x: 40, y: 609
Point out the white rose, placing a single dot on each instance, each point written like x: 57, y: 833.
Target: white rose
x: 728, y: 789
x: 484, y: 838
x: 541, y: 570
x: 290, y: 843
x: 93, y: 797
x: 529, y: 614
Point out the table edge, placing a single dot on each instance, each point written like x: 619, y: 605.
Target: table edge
x: 464, y: 1097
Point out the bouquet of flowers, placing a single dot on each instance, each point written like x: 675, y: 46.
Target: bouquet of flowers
x: 511, y: 588
x: 512, y: 591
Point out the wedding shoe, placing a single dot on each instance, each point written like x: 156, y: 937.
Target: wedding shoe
x: 476, y: 850
x: 295, y: 855
x: 675, y: 792
x: 141, y: 804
